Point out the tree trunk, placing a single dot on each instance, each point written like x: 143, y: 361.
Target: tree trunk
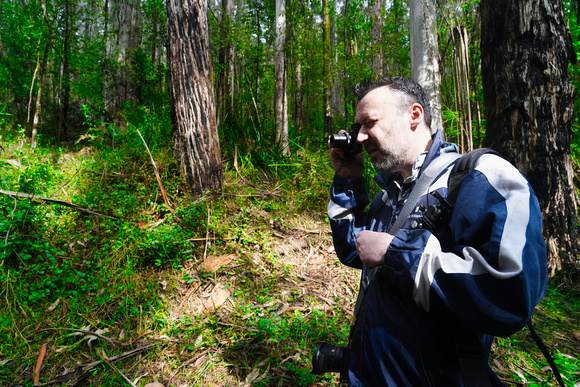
x: 193, y: 105
x: 298, y: 111
x: 124, y: 28
x: 1, y: 47
x: 38, y: 105
x: 280, y: 99
x: 425, y: 55
x: 65, y: 71
x: 376, y: 39
x: 224, y: 59
x: 526, y: 49
x: 326, y: 67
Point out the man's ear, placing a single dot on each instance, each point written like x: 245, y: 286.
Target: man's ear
x: 416, y: 115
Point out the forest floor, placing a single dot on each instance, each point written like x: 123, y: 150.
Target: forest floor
x: 305, y: 279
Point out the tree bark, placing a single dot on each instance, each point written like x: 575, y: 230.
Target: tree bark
x: 38, y: 105
x: 193, y: 105
x: 225, y: 59
x: 280, y: 96
x: 425, y: 55
x: 125, y: 24
x: 65, y: 71
x: 526, y: 49
x: 298, y: 111
x: 326, y: 67
x: 376, y: 35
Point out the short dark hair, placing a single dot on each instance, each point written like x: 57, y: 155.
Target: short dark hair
x: 411, y: 90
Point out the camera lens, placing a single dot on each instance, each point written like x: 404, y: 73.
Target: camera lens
x: 327, y: 358
x: 342, y: 140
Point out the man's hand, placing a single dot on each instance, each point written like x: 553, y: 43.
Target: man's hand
x: 349, y: 167
x: 372, y: 247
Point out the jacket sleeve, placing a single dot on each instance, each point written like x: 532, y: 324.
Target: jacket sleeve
x: 496, y: 270
x: 346, y: 212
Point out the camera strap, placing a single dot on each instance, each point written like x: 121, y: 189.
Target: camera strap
x: 431, y: 172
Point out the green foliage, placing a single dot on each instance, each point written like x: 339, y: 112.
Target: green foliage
x: 522, y: 360
x: 571, y: 14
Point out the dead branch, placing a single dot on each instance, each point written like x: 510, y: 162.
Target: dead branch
x: 91, y: 333
x: 157, y: 176
x: 50, y: 200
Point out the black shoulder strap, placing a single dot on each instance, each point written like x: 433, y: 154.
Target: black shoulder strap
x: 463, y: 167
x: 472, y: 359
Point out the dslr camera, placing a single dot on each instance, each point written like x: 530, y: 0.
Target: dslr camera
x: 347, y: 141
x: 331, y: 358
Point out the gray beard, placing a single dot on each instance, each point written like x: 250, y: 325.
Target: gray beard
x: 389, y: 162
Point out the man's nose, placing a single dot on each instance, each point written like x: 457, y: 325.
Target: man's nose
x: 362, y: 136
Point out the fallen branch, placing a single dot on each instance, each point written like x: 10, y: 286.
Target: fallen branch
x: 91, y: 333
x: 50, y: 200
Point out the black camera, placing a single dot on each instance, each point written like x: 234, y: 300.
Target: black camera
x: 347, y: 141
x: 331, y: 358
x: 435, y: 215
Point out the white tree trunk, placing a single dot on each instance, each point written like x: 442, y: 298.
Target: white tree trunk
x: 280, y: 102
x: 425, y: 55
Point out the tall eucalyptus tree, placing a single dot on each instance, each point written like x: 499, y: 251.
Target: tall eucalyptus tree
x: 224, y: 90
x: 376, y: 9
x: 326, y: 77
x: 425, y: 54
x: 193, y: 113
x: 123, y: 38
x: 526, y: 50
x: 280, y: 88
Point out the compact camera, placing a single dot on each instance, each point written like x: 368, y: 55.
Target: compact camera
x: 347, y: 141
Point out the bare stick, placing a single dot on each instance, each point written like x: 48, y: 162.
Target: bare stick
x: 39, y: 364
x: 157, y: 175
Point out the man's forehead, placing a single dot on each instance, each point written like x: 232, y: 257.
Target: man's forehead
x: 374, y: 101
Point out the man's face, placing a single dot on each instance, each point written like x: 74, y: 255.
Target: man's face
x: 384, y: 129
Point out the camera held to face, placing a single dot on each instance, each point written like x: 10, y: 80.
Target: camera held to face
x: 347, y: 141
x: 331, y: 358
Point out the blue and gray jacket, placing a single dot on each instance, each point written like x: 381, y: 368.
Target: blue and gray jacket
x: 483, y: 272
